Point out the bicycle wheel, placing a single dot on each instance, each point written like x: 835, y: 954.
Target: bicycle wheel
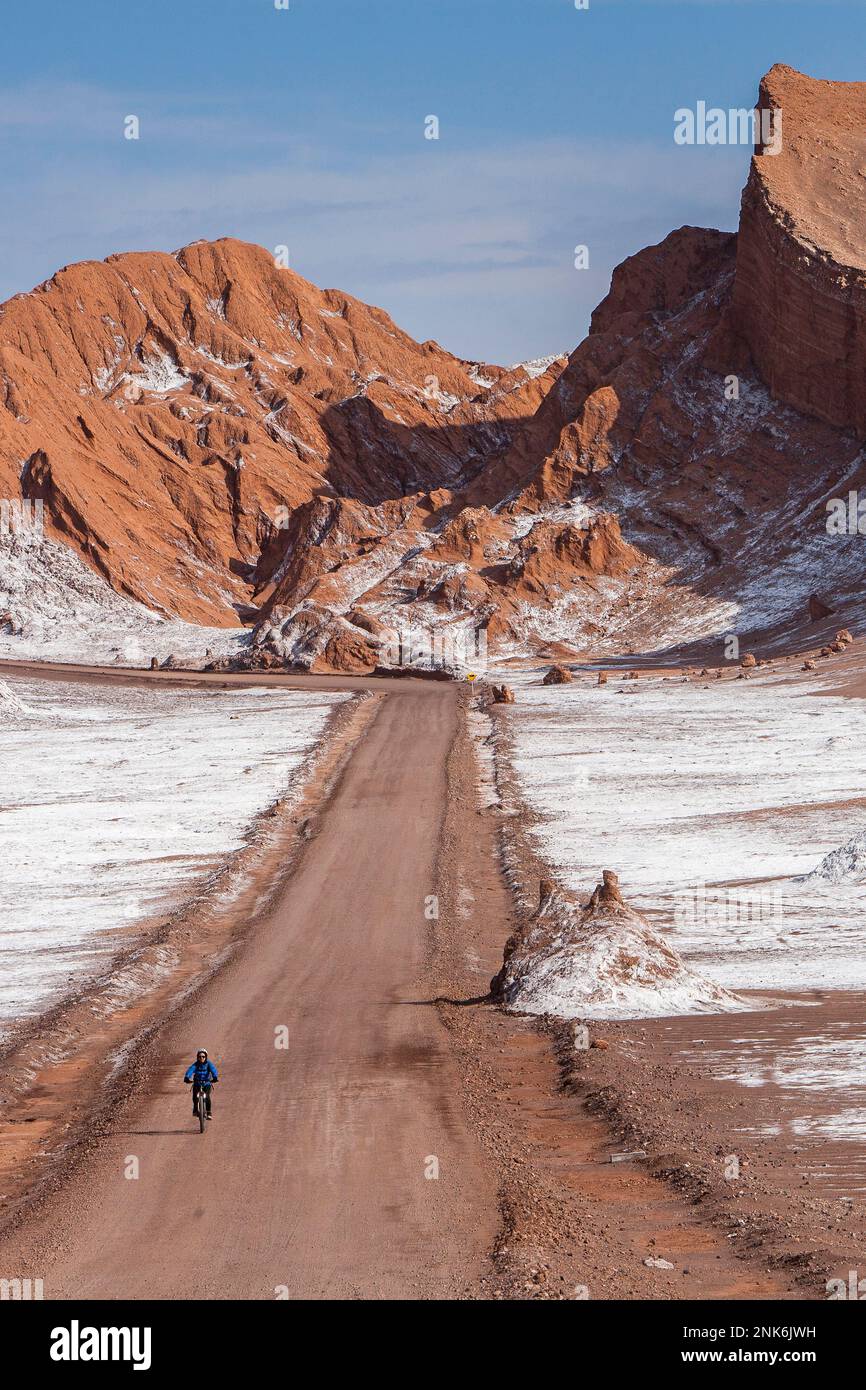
x: 202, y: 1114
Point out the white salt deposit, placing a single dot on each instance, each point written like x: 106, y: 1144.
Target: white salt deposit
x: 116, y: 802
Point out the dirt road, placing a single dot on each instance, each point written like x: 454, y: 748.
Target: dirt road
x: 316, y: 1178
x: 311, y: 1177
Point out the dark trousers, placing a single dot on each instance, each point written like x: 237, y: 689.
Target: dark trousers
x: 195, y: 1090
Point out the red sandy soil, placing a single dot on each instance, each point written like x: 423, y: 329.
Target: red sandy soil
x: 799, y: 1198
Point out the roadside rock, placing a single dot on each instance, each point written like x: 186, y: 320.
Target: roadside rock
x: 314, y: 639
x: 600, y: 961
x: 558, y: 675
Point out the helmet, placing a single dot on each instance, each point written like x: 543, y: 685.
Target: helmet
x: 202, y: 1052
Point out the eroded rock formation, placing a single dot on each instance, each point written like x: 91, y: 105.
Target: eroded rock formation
x: 800, y: 286
x: 600, y: 961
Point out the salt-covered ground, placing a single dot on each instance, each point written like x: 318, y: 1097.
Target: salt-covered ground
x: 60, y: 610
x: 829, y: 1065
x: 710, y: 800
x: 734, y: 813
x: 114, y: 803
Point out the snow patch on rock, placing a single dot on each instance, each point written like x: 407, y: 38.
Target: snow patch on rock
x: 537, y: 366
x: 847, y: 864
x: 160, y: 374
x: 61, y: 610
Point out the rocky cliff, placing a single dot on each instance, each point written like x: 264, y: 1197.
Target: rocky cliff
x: 800, y: 286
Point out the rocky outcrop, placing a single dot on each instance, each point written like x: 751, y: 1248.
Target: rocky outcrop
x: 553, y: 555
x: 847, y: 864
x: 606, y: 894
x: 11, y: 706
x: 600, y: 961
x: 311, y: 638
x: 558, y: 675
x: 800, y: 288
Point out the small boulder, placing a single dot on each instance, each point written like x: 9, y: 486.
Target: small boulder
x: 602, y: 678
x: 844, y: 636
x: 748, y: 661
x: 558, y: 675
x: 503, y: 695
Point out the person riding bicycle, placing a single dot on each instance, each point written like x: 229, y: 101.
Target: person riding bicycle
x: 201, y: 1076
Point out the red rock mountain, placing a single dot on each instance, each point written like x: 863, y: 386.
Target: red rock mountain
x: 221, y: 440
x: 166, y: 407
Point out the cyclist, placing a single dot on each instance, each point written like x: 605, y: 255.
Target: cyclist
x: 201, y: 1076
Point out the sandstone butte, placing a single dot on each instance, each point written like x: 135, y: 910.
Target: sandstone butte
x: 224, y: 442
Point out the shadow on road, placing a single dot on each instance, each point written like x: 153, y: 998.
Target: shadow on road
x: 158, y: 1133
x: 445, y: 999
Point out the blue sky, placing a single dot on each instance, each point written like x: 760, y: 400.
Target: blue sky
x: 305, y: 127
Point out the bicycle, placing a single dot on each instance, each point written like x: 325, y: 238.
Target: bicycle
x: 201, y: 1106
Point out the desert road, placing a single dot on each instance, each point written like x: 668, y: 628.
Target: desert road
x: 311, y: 1180
x: 371, y: 1138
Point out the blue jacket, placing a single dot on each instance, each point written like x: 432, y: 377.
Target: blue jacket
x: 202, y: 1073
